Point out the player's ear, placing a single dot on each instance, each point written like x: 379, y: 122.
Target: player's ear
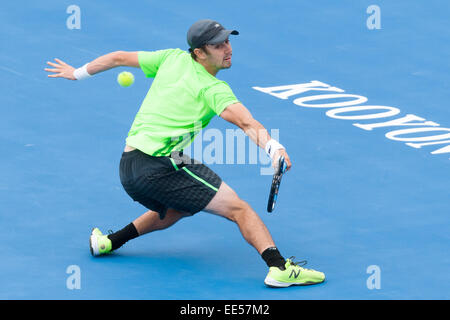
x: 200, y: 53
x: 197, y: 53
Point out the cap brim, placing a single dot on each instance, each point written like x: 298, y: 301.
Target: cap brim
x: 222, y: 36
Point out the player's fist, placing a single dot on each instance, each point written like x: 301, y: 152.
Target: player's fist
x: 277, y: 155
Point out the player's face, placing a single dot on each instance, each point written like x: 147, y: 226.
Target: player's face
x: 219, y: 55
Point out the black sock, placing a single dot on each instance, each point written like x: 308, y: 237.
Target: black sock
x: 273, y: 258
x: 120, y: 237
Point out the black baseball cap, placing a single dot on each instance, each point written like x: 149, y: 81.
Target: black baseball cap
x: 207, y: 31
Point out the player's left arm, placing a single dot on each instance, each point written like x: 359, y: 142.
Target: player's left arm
x: 108, y: 61
x: 239, y: 115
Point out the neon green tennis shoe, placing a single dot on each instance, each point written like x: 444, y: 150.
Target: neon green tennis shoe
x: 293, y: 275
x: 99, y: 243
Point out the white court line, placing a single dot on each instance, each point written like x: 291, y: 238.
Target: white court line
x: 12, y: 71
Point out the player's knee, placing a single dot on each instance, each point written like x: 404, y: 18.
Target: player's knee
x: 239, y: 210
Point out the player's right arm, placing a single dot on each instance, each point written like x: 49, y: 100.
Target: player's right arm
x: 239, y: 115
x: 108, y: 61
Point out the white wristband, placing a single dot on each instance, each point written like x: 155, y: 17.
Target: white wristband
x: 272, y: 146
x: 81, y: 73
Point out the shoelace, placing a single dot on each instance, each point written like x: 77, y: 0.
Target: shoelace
x: 298, y: 263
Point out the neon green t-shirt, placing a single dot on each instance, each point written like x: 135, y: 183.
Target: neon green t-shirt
x: 182, y: 100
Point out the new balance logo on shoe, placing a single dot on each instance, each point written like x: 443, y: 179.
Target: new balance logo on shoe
x: 295, y: 274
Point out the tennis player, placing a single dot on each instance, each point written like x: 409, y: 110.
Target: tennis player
x: 184, y: 96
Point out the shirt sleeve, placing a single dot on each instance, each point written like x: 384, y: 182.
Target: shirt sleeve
x: 149, y: 61
x: 219, y: 96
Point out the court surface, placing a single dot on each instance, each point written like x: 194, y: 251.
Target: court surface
x: 369, y: 211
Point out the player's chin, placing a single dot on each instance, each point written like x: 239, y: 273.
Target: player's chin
x: 226, y: 64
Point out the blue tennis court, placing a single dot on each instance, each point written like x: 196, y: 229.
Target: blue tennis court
x: 357, y: 91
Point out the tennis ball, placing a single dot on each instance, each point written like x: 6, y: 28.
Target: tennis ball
x: 125, y: 79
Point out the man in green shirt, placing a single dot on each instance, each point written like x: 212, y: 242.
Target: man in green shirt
x: 184, y: 96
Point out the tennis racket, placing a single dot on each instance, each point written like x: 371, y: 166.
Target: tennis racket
x: 276, y: 180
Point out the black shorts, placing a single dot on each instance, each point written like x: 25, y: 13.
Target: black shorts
x: 159, y: 183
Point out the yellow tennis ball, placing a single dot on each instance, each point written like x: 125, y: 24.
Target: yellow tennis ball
x: 125, y: 79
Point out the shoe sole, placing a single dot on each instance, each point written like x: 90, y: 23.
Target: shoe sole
x: 93, y: 244
x: 277, y: 284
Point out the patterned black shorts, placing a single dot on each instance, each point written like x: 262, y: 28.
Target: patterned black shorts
x: 159, y: 183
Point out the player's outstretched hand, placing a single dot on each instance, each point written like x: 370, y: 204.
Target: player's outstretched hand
x: 278, y: 154
x: 61, y: 70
